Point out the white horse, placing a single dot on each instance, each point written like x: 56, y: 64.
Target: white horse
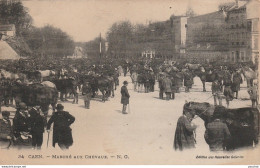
x: 249, y: 75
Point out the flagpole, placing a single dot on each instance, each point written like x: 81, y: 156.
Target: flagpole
x: 100, y: 47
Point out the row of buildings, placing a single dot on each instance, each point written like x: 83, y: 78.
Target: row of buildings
x: 230, y: 34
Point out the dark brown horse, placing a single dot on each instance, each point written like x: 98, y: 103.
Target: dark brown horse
x: 243, y: 123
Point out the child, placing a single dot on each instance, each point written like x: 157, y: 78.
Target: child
x: 228, y: 93
x: 253, y: 94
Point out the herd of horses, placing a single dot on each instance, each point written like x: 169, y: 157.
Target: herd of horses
x: 47, y: 89
x: 205, y: 73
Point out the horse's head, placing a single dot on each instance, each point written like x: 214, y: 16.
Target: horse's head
x: 203, y: 110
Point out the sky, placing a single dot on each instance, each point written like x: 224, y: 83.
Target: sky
x: 84, y: 20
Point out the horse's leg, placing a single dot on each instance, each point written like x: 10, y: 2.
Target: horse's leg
x: 62, y: 96
x: 66, y: 95
x: 103, y: 95
x: 204, y: 87
x: 112, y: 90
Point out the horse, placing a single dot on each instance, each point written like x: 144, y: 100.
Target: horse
x: 65, y: 86
x: 193, y: 67
x: 105, y: 84
x: 249, y: 75
x: 36, y: 94
x: 46, y: 74
x: 243, y: 123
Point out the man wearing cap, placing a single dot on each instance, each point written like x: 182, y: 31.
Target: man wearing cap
x: 217, y: 133
x: 124, y: 96
x: 37, y: 127
x: 61, y: 129
x: 216, y: 92
x: 184, y: 133
x: 5, y: 127
x: 21, y: 120
x: 87, y: 92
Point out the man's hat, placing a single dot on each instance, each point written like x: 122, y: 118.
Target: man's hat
x: 125, y: 82
x: 59, y: 107
x: 22, y: 105
x: 219, y: 111
x: 6, y: 113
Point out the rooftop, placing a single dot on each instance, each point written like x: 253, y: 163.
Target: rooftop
x: 9, y: 27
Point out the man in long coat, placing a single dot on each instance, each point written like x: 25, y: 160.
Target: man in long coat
x: 188, y: 81
x: 184, y: 133
x: 87, y: 92
x: 161, y: 87
x: 37, y: 127
x: 167, y: 83
x: 124, y: 96
x: 61, y: 129
x: 237, y: 80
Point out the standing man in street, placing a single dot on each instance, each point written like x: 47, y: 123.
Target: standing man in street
x: 253, y: 93
x: 61, y: 129
x: 167, y: 84
x: 37, y: 127
x: 87, y: 92
x: 124, y: 96
x: 216, y: 92
x: 237, y: 80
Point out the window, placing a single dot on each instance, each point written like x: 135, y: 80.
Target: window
x: 243, y: 43
x: 232, y: 26
x: 242, y: 55
x: 237, y: 43
x: 232, y: 55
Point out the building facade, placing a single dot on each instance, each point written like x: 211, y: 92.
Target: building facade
x: 206, y: 37
x: 238, y: 33
x: 7, y: 30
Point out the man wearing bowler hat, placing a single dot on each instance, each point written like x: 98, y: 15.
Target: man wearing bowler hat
x: 5, y: 127
x: 61, y: 129
x: 124, y: 96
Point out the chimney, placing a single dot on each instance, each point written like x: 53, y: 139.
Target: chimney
x: 236, y: 3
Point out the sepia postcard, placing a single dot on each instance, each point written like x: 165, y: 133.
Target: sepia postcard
x: 129, y: 82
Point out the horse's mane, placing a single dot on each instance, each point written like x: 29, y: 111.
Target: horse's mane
x: 197, y: 103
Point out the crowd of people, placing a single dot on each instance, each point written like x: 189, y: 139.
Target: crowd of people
x: 88, y: 78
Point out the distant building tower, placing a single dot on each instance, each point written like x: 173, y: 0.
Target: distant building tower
x: 179, y: 29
